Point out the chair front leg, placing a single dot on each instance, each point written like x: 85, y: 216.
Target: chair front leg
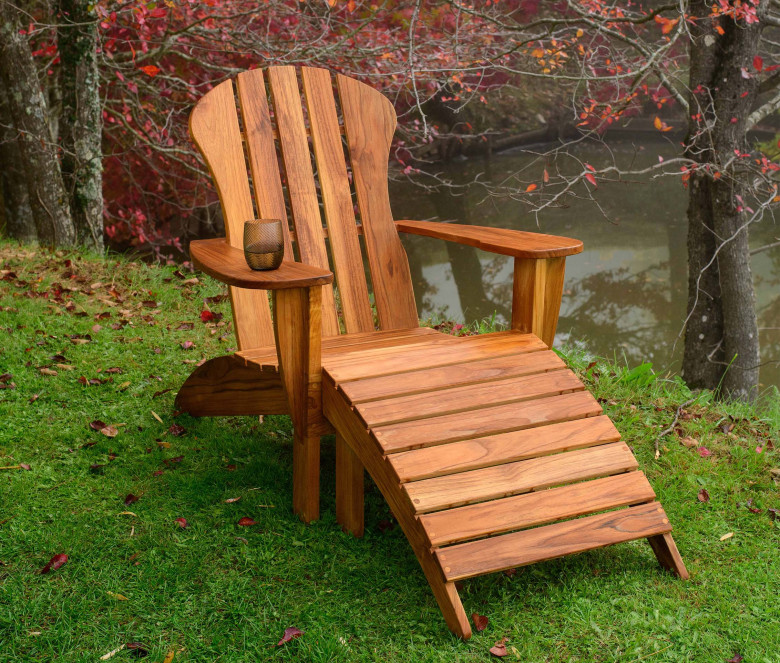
x: 536, y: 296
x: 298, y: 333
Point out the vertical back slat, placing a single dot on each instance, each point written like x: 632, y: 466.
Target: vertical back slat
x: 337, y: 201
x: 300, y: 182
x: 214, y: 128
x: 267, y: 183
x: 369, y: 120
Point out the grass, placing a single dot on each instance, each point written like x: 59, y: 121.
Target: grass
x: 219, y: 592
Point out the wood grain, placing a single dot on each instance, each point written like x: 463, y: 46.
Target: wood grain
x: 503, y: 448
x: 296, y: 157
x: 508, y: 551
x: 536, y: 296
x: 465, y: 399
x: 336, y: 409
x: 487, y: 421
x: 228, y: 386
x: 668, y: 556
x: 498, y: 481
x: 337, y: 200
x: 496, y: 240
x: 261, y: 149
x: 466, y: 372
x: 349, y: 488
x: 369, y: 120
x: 298, y: 332
x: 374, y: 363
x: 214, y: 129
x: 218, y: 259
x: 532, y: 509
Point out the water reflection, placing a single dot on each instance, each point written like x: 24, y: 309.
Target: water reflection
x: 624, y: 296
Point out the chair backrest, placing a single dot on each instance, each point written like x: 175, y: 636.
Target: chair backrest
x: 279, y: 126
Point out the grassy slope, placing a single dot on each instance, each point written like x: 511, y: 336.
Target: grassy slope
x: 216, y: 591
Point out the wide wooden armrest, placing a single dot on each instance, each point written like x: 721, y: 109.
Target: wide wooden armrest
x: 227, y: 264
x: 496, y: 240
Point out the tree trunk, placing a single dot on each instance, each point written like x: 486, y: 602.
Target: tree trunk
x: 28, y: 108
x: 721, y: 342
x: 81, y: 119
x: 16, y: 212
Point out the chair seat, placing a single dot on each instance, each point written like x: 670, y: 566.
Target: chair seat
x: 492, y: 449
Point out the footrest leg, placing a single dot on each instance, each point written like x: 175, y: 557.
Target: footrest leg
x: 349, y: 488
x: 668, y: 556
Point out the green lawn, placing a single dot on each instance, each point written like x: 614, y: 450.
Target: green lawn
x: 216, y: 591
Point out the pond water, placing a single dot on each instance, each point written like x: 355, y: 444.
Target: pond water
x: 624, y: 296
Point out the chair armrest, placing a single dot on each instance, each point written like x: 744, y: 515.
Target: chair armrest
x: 225, y: 263
x: 496, y: 240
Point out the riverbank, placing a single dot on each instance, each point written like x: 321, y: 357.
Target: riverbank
x: 85, y: 339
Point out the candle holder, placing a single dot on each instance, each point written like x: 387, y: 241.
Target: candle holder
x: 263, y: 243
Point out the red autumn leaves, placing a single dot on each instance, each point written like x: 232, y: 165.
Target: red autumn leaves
x: 55, y: 563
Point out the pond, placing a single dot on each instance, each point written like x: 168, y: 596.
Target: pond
x: 624, y: 296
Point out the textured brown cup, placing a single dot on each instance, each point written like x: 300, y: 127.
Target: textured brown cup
x: 263, y: 243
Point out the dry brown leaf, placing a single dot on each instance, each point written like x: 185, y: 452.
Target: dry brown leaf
x: 156, y: 416
x: 47, y: 371
x: 726, y: 536
x: 689, y: 442
x: 105, y: 657
x: 110, y: 431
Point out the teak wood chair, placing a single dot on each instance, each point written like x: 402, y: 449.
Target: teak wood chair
x: 489, y: 451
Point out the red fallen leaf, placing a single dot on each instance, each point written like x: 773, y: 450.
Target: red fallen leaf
x: 97, y: 424
x: 175, y: 459
x: 499, y: 649
x: 206, y: 316
x: 510, y: 573
x: 149, y: 303
x: 185, y: 326
x: 187, y: 345
x: 5, y: 377
x: 130, y: 499
x: 150, y: 70
x: 385, y: 526
x: 114, y: 369
x: 25, y: 466
x: 246, y: 521
x: 703, y: 495
x: 157, y: 394
x: 750, y: 507
x: 734, y: 659
x: 480, y: 622
x: 230, y: 468
x: 704, y: 452
x: 138, y: 649
x: 176, y: 430
x: 54, y: 563
x: 182, y: 522
x: 157, y: 473
x: 289, y: 634
x: 215, y: 299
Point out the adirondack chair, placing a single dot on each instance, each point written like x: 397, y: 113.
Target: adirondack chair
x: 489, y: 451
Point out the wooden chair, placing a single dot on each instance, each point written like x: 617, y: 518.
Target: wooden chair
x: 489, y: 451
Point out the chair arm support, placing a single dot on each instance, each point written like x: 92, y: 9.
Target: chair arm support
x: 536, y: 296
x: 515, y: 243
x: 225, y: 263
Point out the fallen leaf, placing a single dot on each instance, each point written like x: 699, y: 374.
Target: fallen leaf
x: 138, y: 649
x: 187, y: 345
x: 169, y: 656
x: 727, y: 427
x: 175, y: 459
x: 164, y: 445
x: 25, y: 466
x: 34, y: 398
x: 289, y: 634
x: 231, y: 500
x: 114, y: 369
x: 185, y: 326
x: 774, y: 514
x: 118, y: 597
x: 47, y: 371
x: 177, y: 430
x: 499, y: 649
x: 112, y: 653
x: 65, y: 367
x: 689, y: 442
x: 246, y: 521
x: 736, y: 658
x: 206, y: 316
x: 128, y: 513
x: 97, y: 425
x: 181, y: 522
x: 703, y: 495
x: 726, y: 536
x: 510, y: 573
x: 109, y: 431
x: 131, y: 499
x: 156, y: 416
x: 123, y: 386
x: 54, y: 563
x: 704, y: 452
x: 480, y: 622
